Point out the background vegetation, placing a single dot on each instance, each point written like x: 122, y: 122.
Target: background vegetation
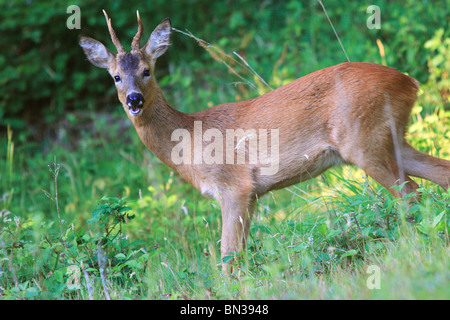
x: 80, y: 196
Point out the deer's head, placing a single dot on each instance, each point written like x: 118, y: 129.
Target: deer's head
x: 132, y: 71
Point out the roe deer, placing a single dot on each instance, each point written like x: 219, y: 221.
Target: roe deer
x: 350, y: 113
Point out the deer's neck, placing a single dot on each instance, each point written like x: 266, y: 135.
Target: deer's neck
x: 156, y: 125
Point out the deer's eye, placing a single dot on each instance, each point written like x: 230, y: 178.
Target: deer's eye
x: 146, y: 73
x: 117, y: 78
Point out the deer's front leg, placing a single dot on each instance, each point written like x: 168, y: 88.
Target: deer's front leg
x: 236, y: 217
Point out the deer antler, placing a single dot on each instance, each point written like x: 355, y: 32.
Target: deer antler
x: 137, y: 37
x: 114, y: 38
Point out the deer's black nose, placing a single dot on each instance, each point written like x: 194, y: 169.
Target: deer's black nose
x: 135, y: 99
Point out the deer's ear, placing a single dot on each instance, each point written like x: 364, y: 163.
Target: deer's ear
x: 96, y: 52
x: 159, y: 39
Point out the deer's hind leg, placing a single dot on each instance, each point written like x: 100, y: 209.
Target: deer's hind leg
x: 381, y: 160
x: 387, y: 172
x: 421, y: 165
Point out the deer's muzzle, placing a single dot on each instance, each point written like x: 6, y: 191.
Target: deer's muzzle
x: 135, y: 101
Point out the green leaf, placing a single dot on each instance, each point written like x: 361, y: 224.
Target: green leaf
x: 124, y: 209
x: 120, y: 256
x: 31, y: 292
x: 323, y: 257
x: 349, y: 253
x: 135, y: 264
x: 437, y: 219
x: 227, y: 258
